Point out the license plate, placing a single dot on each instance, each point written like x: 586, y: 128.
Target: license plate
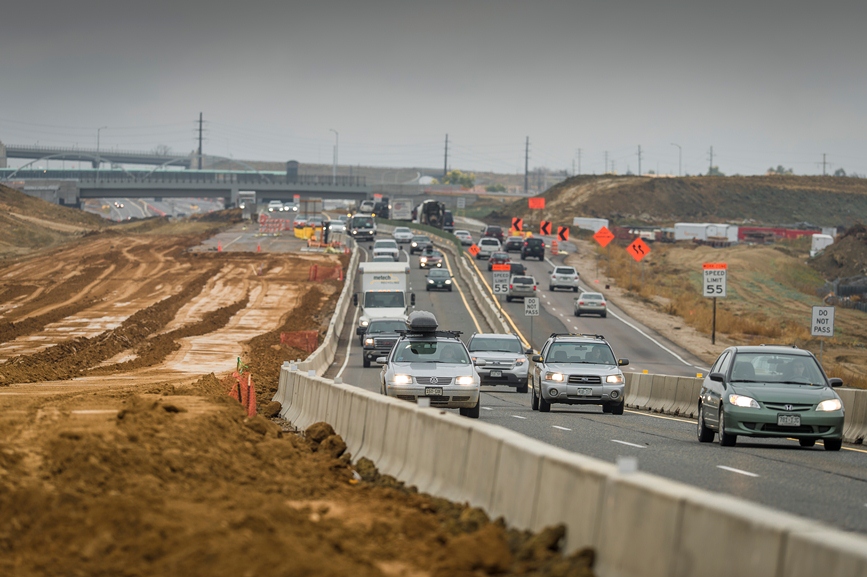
x: 789, y: 420
x: 496, y: 373
x: 433, y: 391
x: 585, y: 392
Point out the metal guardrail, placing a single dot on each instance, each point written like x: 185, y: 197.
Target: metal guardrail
x: 188, y: 177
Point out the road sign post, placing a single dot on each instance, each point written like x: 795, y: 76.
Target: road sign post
x: 714, y: 287
x: 531, y: 309
x: 822, y: 325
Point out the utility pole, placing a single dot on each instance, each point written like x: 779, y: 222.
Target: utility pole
x: 606, y: 163
x: 579, y: 161
x: 446, y: 161
x: 334, y: 165
x: 200, y: 141
x: 98, y: 156
x: 823, y: 165
x: 526, y: 164
x: 639, y: 160
x: 710, y: 169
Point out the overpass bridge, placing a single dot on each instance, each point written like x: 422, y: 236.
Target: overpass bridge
x: 68, y: 187
x: 93, y: 156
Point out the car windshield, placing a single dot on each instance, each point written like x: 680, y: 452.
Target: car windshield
x: 523, y: 280
x: 384, y: 244
x: 439, y: 273
x: 498, y: 345
x: 489, y: 242
x: 390, y: 326
x: 431, y: 352
x: 585, y: 353
x: 562, y: 270
x: 375, y: 300
x: 420, y: 239
x: 402, y: 230
x: 361, y: 222
x: 777, y: 368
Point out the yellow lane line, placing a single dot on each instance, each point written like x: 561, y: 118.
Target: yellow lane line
x: 499, y: 306
x: 463, y: 298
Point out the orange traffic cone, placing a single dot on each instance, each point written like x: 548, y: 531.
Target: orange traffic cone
x: 554, y: 248
x: 219, y: 247
x: 258, y: 247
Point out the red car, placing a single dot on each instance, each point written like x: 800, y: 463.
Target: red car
x: 498, y: 258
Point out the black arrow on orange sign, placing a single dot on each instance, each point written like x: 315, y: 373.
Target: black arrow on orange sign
x: 545, y: 227
x: 517, y: 223
x: 563, y: 233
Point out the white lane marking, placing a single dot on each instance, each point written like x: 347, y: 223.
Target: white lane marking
x: 519, y: 417
x: 232, y: 241
x: 738, y: 471
x: 487, y: 409
x: 351, y: 335
x: 629, y: 444
x: 561, y: 428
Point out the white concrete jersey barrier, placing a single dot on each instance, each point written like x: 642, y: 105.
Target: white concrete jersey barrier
x: 640, y: 525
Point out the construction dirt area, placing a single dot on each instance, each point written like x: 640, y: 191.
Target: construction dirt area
x: 122, y: 453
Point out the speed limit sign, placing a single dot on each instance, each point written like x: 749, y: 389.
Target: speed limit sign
x: 714, y: 279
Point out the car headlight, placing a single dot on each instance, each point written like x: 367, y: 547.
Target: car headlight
x: 830, y: 405
x: 424, y: 259
x: 364, y: 322
x: 429, y: 281
x: 413, y: 244
x: 519, y: 362
x: 464, y: 381
x: 614, y: 379
x: 448, y: 282
x: 742, y: 401
x: 554, y: 377
x: 401, y: 379
x: 368, y: 342
x: 354, y: 232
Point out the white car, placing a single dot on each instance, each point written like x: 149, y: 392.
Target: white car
x: 386, y: 247
x: 464, y: 236
x: 488, y: 246
x: 402, y: 234
x: 275, y: 206
x: 290, y: 207
x: 563, y: 277
x: 336, y: 226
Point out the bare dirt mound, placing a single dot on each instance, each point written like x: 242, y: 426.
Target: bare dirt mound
x: 823, y: 201
x: 847, y: 257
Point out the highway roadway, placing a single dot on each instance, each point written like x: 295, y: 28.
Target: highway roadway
x: 827, y: 486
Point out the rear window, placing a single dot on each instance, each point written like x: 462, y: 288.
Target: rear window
x: 564, y: 270
x: 592, y: 297
x: 496, y: 344
x: 490, y: 241
x: 523, y: 280
x: 534, y: 242
x: 494, y: 229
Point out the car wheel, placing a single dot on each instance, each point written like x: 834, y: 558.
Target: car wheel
x: 606, y: 408
x: 725, y: 439
x: 427, y: 288
x: 550, y: 287
x: 705, y: 435
x: 508, y: 299
x: 577, y: 314
x: 603, y: 315
x: 617, y: 409
x: 833, y: 444
x: 534, y: 400
x: 473, y: 412
x: 366, y: 362
x: 574, y: 289
x: 544, y: 406
x: 523, y: 257
x: 522, y: 388
x: 450, y: 289
x: 807, y: 442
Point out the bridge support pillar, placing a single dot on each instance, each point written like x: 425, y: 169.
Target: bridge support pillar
x: 2, y: 155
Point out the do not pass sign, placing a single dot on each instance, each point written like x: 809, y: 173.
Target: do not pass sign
x: 822, y: 324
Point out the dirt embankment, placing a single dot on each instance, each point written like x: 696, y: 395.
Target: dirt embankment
x: 847, y: 257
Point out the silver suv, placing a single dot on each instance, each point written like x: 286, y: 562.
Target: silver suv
x: 521, y: 286
x: 564, y: 277
x: 425, y: 362
x: 575, y: 369
x: 505, y: 360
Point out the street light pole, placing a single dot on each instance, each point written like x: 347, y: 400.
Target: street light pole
x: 679, y: 157
x: 98, y: 157
x: 334, y: 166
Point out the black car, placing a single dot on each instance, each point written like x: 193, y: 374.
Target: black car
x: 494, y: 231
x: 448, y: 221
x: 533, y: 247
x: 514, y: 243
x: 516, y: 268
x: 439, y: 278
x: 418, y: 243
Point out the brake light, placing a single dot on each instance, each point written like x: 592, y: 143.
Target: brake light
x: 511, y: 287
x: 580, y: 302
x: 576, y: 277
x: 543, y: 245
x: 534, y: 287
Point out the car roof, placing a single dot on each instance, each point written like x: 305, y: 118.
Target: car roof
x: 515, y: 238
x: 772, y: 349
x: 578, y: 338
x: 462, y: 232
x: 523, y: 276
x: 588, y: 293
x: 495, y: 336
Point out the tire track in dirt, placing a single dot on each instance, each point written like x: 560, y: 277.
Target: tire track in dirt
x: 73, y: 358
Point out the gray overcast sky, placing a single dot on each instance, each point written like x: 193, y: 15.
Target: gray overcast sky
x: 763, y: 82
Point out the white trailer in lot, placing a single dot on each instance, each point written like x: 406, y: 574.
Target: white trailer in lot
x: 820, y: 242
x: 690, y: 231
x: 588, y: 223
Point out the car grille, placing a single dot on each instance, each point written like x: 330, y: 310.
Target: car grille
x: 774, y: 428
x: 406, y: 397
x: 459, y: 399
x: 585, y: 380
x: 382, y: 343
x: 789, y: 406
x: 439, y: 381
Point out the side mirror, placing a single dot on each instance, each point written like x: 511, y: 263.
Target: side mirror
x: 536, y: 358
x: 622, y: 362
x: 718, y: 377
x: 835, y: 382
x: 360, y: 330
x: 528, y: 351
x: 355, y: 299
x: 480, y: 362
x: 381, y: 360
x: 412, y: 299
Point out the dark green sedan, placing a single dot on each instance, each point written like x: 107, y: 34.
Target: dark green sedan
x: 770, y: 391
x: 439, y: 279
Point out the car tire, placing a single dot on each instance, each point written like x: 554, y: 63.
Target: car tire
x: 544, y: 406
x: 725, y: 439
x: 523, y: 257
x: 472, y: 412
x: 574, y: 289
x: 450, y: 289
x: 427, y: 288
x: 577, y: 314
x: 550, y: 287
x: 807, y: 442
x: 606, y: 408
x: 705, y: 435
x: 366, y: 362
x: 534, y: 400
x: 618, y: 408
x: 833, y: 444
x: 522, y: 388
x: 508, y: 299
x: 604, y: 315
